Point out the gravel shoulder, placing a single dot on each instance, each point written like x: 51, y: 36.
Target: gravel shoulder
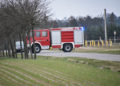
x: 98, y: 56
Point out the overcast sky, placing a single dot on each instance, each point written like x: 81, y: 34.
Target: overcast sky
x: 66, y: 8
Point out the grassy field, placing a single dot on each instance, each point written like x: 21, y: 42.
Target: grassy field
x: 115, y: 49
x: 50, y: 71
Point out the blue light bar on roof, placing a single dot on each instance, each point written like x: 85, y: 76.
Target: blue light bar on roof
x: 82, y: 28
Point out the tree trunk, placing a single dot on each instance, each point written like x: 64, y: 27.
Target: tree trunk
x: 3, y: 51
x: 30, y: 47
x: 6, y: 47
x: 15, y: 49
x: 12, y: 48
x: 25, y: 46
x: 9, y: 51
x: 33, y: 43
x: 21, y: 45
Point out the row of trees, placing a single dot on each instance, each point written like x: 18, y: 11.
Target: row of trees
x: 94, y: 27
x: 17, y: 18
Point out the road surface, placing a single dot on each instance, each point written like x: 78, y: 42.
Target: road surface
x: 98, y: 56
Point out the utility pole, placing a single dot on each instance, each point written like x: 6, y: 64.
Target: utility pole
x: 114, y: 36
x: 105, y: 25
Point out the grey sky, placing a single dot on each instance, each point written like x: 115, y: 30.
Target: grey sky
x: 66, y: 8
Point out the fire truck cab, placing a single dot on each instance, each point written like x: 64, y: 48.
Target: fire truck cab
x: 62, y: 38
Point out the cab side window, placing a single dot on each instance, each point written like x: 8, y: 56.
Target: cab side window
x: 44, y: 34
x: 37, y: 34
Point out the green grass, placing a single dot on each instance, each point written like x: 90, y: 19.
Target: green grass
x: 108, y: 50
x: 51, y: 71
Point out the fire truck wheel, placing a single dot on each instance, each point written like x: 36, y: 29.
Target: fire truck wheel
x: 67, y: 48
x: 37, y: 48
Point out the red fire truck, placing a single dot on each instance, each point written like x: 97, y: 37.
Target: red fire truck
x: 62, y: 38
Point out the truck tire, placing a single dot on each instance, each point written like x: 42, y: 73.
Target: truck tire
x: 67, y: 47
x: 37, y: 48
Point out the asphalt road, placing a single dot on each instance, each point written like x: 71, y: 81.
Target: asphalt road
x: 98, y: 56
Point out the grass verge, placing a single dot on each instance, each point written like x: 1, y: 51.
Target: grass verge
x: 98, y: 50
x: 51, y: 71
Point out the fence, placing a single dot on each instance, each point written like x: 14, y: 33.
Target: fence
x: 101, y: 43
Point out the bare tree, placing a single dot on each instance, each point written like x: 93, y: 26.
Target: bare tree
x: 15, y: 18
